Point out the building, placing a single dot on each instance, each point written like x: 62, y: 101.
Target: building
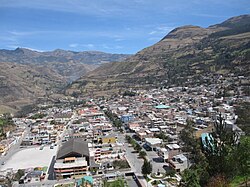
x: 179, y: 163
x: 72, y: 159
x: 170, y: 151
x: 127, y: 118
x: 153, y: 142
x: 163, y: 152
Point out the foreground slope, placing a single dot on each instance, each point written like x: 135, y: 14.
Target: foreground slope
x: 186, y: 53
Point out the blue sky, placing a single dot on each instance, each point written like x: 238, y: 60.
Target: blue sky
x: 116, y: 26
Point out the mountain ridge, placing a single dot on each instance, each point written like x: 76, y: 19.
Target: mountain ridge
x: 27, y: 74
x: 188, y: 52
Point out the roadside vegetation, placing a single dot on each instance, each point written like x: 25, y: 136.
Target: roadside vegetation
x: 114, y: 119
x: 38, y: 116
x: 6, y: 124
x: 117, y: 183
x: 120, y: 164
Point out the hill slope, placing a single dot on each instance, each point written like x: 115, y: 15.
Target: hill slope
x: 22, y: 84
x: 71, y: 65
x: 26, y: 75
x: 184, y: 56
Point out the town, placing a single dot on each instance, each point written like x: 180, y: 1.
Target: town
x: 97, y: 141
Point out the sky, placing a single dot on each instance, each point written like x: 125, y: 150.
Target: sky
x: 114, y: 26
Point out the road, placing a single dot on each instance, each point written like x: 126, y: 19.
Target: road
x: 133, y: 160
x: 46, y: 183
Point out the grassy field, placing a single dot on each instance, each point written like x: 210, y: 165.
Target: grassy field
x: 239, y: 181
x: 116, y: 183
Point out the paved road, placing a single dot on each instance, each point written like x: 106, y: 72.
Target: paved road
x: 46, y: 183
x: 131, y: 182
x: 156, y: 161
x: 133, y: 160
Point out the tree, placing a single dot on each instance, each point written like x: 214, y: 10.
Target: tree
x: 142, y: 154
x: 218, y: 181
x: 242, y: 156
x: 137, y: 147
x: 187, y: 137
x: 146, y: 168
x: 19, y: 174
x: 196, y: 156
x: 162, y: 136
x: 128, y: 138
x: 218, y: 149
x: 190, y: 178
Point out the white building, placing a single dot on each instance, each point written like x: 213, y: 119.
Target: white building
x: 179, y: 163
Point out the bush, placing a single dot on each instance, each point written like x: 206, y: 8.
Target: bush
x: 120, y: 164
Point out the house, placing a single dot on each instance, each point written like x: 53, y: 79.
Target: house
x: 179, y: 163
x: 170, y: 151
x: 141, y: 135
x: 34, y: 176
x: 134, y: 127
x: 173, y: 149
x: 127, y: 118
x: 153, y: 142
x: 163, y: 152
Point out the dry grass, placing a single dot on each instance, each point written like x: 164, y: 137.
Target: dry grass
x: 7, y: 109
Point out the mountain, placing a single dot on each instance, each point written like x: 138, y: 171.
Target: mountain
x: 186, y: 55
x: 71, y: 65
x: 26, y: 75
x: 22, y: 84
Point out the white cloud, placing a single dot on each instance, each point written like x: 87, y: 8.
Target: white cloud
x: 76, y: 45
x: 161, y: 30
x: 152, y: 32
x: 99, y: 8
x: 119, y: 39
x: 90, y: 46
x: 154, y: 39
x: 73, y: 45
x: 111, y: 47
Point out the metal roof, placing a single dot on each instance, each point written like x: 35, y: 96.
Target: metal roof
x: 73, y: 147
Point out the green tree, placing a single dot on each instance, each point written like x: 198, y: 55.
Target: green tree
x: 190, y: 178
x: 142, y: 154
x: 146, y: 168
x: 137, y: 147
x: 162, y: 136
x: 128, y: 138
x: 218, y: 149
x: 19, y: 174
x: 187, y: 137
x: 242, y: 157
